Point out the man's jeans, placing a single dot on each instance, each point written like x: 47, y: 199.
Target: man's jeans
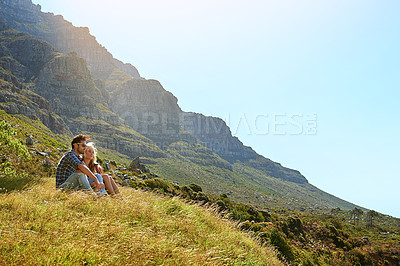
x: 77, y: 181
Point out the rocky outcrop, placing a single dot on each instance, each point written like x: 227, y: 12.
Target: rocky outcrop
x: 21, y: 56
x: 67, y: 83
x: 216, y: 136
x: 151, y: 110
x: 127, y: 68
x: 27, y: 17
x: 16, y: 99
x: 15, y: 12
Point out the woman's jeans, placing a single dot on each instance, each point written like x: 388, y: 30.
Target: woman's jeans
x: 100, y: 178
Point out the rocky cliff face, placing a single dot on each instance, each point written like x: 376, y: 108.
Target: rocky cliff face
x: 151, y: 110
x: 61, y: 83
x: 67, y: 83
x: 24, y: 11
x: 24, y: 16
x: 21, y: 56
x: 276, y: 170
x: 216, y: 135
x: 16, y: 99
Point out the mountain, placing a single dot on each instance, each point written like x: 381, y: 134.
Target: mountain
x: 59, y: 74
x: 24, y: 16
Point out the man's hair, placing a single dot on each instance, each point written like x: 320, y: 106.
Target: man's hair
x: 78, y: 139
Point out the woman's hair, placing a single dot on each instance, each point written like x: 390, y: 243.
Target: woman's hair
x: 93, y: 161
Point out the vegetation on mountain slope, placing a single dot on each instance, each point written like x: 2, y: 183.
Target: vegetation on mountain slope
x: 304, y: 238
x: 244, y: 183
x: 158, y: 222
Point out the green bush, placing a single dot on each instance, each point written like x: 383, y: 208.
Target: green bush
x: 201, y: 196
x: 266, y: 215
x: 295, y: 225
x: 278, y: 240
x: 225, y: 198
x: 221, y: 205
x: 196, y: 188
x: 157, y: 183
x: 12, y: 154
x: 9, y: 145
x: 187, y: 190
x: 239, y: 214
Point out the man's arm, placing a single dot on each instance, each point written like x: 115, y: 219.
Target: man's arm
x: 89, y: 173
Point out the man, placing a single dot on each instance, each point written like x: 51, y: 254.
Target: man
x: 70, y: 163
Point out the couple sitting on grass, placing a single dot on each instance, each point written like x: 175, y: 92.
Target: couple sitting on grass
x: 74, y: 172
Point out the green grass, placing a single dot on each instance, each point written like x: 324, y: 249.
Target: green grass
x: 45, y: 226
x: 247, y: 185
x: 197, y: 154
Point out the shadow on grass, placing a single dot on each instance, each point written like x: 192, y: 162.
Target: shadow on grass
x: 16, y: 183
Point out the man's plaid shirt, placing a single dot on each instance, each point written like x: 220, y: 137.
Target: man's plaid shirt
x: 66, y: 167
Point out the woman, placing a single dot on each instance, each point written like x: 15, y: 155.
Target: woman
x: 89, y: 158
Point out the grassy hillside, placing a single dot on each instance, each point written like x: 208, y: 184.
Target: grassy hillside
x: 246, y: 184
x: 45, y: 226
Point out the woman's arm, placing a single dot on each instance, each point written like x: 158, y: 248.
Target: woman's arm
x: 89, y: 173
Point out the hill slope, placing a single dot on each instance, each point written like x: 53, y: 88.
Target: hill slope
x: 44, y: 226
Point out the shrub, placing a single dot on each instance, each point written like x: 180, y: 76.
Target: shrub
x: 196, y: 188
x: 266, y: 215
x: 336, y: 223
x: 221, y: 204
x: 8, y: 144
x: 238, y: 214
x: 201, y: 196
x: 157, y: 183
x: 186, y: 189
x: 357, y: 257
x: 12, y: 153
x: 251, y: 210
x: 225, y: 198
x: 295, y: 225
x: 278, y: 240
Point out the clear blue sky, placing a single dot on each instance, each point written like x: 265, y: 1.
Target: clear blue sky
x: 311, y: 84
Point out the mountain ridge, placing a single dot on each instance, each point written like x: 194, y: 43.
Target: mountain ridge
x: 100, y: 107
